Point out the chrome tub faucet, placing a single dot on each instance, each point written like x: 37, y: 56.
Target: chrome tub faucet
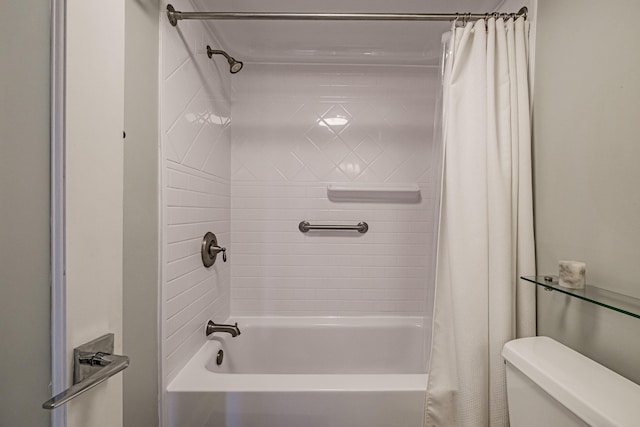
x: 230, y: 329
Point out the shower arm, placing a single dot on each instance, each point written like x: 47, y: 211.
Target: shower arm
x: 218, y: 52
x: 174, y: 16
x: 234, y: 64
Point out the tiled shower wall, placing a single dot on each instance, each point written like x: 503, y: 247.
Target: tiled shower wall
x: 195, y: 119
x: 298, y: 128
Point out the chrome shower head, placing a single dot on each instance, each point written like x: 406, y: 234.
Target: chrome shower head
x: 234, y: 66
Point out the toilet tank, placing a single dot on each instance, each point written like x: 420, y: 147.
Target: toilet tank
x: 549, y: 384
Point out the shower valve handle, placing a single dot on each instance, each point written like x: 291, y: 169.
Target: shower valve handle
x: 210, y: 250
x: 215, y: 249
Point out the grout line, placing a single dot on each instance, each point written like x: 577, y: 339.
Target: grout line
x: 181, y: 275
x: 190, y: 304
x: 171, y: 74
x: 173, y: 124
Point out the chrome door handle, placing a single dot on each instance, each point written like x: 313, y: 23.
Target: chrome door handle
x: 93, y: 364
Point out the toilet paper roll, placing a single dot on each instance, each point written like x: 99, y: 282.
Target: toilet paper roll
x: 572, y: 274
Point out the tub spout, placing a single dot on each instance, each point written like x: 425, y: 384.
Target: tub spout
x: 230, y: 329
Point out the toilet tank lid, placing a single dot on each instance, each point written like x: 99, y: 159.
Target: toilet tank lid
x: 594, y: 393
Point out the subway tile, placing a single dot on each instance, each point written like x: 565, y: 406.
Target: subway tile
x: 182, y: 266
x: 176, y: 251
x: 184, y: 316
x: 179, y: 285
x: 185, y: 299
x: 283, y: 154
x: 195, y: 117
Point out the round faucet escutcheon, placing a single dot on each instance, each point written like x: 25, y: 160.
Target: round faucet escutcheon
x: 210, y: 250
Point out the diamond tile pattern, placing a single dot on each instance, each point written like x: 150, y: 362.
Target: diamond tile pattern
x: 297, y: 128
x: 294, y: 129
x: 346, y: 125
x: 195, y: 122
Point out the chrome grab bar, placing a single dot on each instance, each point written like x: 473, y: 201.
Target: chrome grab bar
x: 361, y: 227
x: 93, y: 364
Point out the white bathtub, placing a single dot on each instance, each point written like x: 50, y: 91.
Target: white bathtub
x: 311, y: 372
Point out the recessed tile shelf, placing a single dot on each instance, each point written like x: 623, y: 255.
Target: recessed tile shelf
x: 392, y: 193
x: 612, y: 300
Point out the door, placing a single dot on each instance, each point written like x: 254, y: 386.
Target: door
x: 94, y: 115
x: 89, y: 114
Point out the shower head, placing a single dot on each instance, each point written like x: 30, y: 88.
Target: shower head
x: 234, y: 66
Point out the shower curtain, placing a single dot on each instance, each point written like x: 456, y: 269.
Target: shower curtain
x: 485, y: 240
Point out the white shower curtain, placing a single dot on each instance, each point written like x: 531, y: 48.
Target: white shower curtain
x: 486, y: 223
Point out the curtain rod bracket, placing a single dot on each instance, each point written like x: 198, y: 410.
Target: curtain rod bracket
x: 171, y: 15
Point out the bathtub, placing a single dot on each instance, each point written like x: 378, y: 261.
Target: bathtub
x: 302, y: 371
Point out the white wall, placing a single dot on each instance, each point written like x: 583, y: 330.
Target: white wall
x: 141, y: 216
x: 297, y: 128
x: 587, y: 202
x: 194, y: 128
x: 25, y: 274
x: 93, y: 195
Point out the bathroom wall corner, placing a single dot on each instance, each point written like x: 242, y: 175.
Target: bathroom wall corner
x: 141, y: 201
x: 195, y: 187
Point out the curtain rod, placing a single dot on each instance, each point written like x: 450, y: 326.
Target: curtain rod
x: 175, y: 16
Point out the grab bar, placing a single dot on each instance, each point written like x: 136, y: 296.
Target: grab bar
x: 91, y: 367
x: 361, y: 227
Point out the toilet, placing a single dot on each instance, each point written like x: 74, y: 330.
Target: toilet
x: 549, y: 384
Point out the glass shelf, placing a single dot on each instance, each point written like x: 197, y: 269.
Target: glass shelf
x: 614, y: 301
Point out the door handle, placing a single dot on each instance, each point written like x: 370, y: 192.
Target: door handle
x: 93, y: 363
